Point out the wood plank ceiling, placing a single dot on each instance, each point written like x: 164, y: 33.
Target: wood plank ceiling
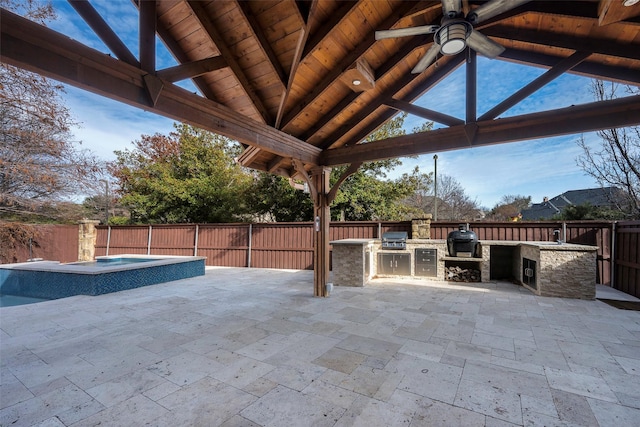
x: 277, y: 74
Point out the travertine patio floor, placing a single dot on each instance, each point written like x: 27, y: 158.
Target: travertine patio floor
x: 252, y: 347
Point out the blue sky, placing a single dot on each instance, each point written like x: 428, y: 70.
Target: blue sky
x: 536, y: 168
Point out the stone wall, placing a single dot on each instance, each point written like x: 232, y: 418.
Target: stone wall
x: 349, y: 262
x: 421, y: 228
x: 87, y: 235
x: 567, y: 274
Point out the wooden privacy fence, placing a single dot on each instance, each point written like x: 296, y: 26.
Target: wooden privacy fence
x: 290, y: 245
x: 627, y: 257
x: 272, y: 245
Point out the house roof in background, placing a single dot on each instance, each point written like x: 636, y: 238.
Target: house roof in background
x: 600, y: 197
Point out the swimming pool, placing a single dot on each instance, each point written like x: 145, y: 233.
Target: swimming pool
x: 52, y: 280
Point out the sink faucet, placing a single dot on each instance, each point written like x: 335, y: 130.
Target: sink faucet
x: 556, y: 236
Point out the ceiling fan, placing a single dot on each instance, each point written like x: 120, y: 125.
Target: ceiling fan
x: 455, y: 31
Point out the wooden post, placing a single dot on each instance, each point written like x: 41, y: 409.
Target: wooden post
x: 322, y: 219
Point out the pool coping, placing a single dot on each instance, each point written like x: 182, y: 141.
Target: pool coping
x: 77, y: 268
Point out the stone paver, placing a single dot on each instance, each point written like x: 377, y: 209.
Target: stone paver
x: 253, y: 347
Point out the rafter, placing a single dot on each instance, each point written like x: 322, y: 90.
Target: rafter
x: 147, y: 38
x: 36, y: 48
x: 567, y: 41
x: 263, y: 42
x: 297, y: 57
x: 554, y: 72
x: 346, y: 63
x: 425, y: 113
x: 192, y: 69
x: 585, y: 68
x: 448, y: 66
x: 182, y: 58
x: 352, y: 96
x: 102, y: 30
x: 202, y: 16
x: 344, y: 8
x: 589, y: 117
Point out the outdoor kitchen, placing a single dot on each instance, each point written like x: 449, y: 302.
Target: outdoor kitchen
x: 546, y: 268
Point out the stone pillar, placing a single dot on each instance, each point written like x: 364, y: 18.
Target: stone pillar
x: 87, y: 234
x: 421, y: 228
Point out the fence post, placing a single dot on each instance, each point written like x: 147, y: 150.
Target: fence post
x: 612, y: 262
x: 249, y: 247
x: 149, y: 242
x: 195, y: 243
x: 108, y: 239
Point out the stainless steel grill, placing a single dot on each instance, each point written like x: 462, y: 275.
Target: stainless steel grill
x: 394, y: 240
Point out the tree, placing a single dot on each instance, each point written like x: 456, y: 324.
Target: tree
x: 39, y: 163
x: 510, y: 206
x: 274, y: 198
x: 453, y: 203
x: 587, y: 211
x: 367, y: 194
x: 616, y: 162
x: 188, y: 176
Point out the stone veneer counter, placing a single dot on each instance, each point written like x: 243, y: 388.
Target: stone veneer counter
x: 545, y: 268
x: 560, y: 270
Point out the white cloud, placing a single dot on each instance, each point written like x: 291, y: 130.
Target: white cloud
x: 106, y: 125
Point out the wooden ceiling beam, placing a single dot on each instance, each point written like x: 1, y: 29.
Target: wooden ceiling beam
x: 549, y: 38
x: 610, y: 11
x: 263, y: 42
x: 33, y: 47
x: 295, y: 63
x: 104, y: 31
x: 425, y: 113
x: 182, y: 58
x: 585, y: 68
x: 579, y: 9
x: 147, y: 37
x: 346, y: 63
x: 344, y: 9
x: 550, y: 75
x: 589, y: 117
x: 202, y: 16
x: 330, y: 115
x: 352, y: 96
x: 192, y: 69
x: 449, y: 65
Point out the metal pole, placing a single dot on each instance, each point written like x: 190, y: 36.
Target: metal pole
x: 195, y: 242
x: 249, y: 248
x: 106, y: 199
x: 108, y: 239
x: 149, y: 242
x: 435, y: 187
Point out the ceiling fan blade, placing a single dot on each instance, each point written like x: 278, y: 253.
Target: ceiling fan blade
x: 492, y: 8
x: 404, y: 32
x: 484, y: 45
x: 451, y: 8
x: 426, y: 59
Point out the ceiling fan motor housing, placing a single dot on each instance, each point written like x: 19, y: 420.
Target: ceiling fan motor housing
x: 452, y: 36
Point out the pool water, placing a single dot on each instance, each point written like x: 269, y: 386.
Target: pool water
x: 110, y: 262
x: 11, y: 300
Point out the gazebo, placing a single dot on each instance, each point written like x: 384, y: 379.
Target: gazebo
x: 301, y: 83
